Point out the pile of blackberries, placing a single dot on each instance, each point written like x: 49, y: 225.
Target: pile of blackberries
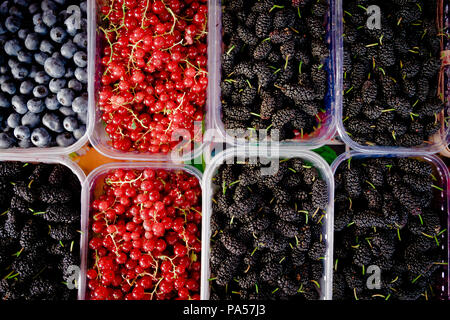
x: 39, y: 238
x: 267, y: 240
x: 274, y: 66
x: 391, y: 74
x: 389, y: 225
x: 43, y: 73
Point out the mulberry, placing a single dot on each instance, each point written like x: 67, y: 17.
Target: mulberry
x: 62, y: 232
x: 52, y: 195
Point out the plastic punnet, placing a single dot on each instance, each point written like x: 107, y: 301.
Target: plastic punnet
x: 254, y: 153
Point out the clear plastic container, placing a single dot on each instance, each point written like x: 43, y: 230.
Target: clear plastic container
x: 284, y: 153
x: 65, y: 161
x: 442, y: 199
x: 437, y: 142
x: 214, y: 117
x: 97, y: 134
x: 93, y: 185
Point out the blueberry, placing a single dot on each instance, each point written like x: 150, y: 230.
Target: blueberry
x: 57, y: 55
x: 65, y: 139
x: 70, y: 124
x: 41, y: 77
x: 22, y: 132
x: 80, y: 104
x: 71, y: 25
x: 51, y: 102
x: 12, y: 47
x: 3, y: 30
x: 53, y: 122
x: 81, y: 75
x: 19, y: 104
x: 61, y: 2
x: 80, y: 59
x: 40, y: 137
x: 13, y: 120
x: 4, y: 101
x: 20, y: 72
x: 80, y: 132
x: 37, y: 18
x: 40, y: 57
x: 16, y: 12
x: 32, y: 41
x: 40, y: 91
x: 13, y: 63
x: 22, y: 34
x: 56, y: 84
x: 80, y: 40
x: 54, y: 67
x: 82, y: 117
x: 47, y: 47
x: 49, y: 18
x: 67, y: 111
x: 4, y: 78
x: 33, y: 71
x: 83, y: 6
x: 41, y: 28
x: 24, y: 56
x: 26, y: 87
x: 48, y: 5
x: 58, y: 34
x: 70, y: 73
x: 33, y: 8
x: 25, y: 143
x: 5, y: 141
x: 4, y: 7
x: 8, y: 87
x: 13, y: 24
x: 35, y: 105
x: 22, y: 3
x: 75, y: 85
x: 68, y: 49
x: 65, y: 97
x: 31, y: 119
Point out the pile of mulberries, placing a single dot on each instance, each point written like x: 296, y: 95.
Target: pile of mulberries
x: 274, y: 67
x: 387, y: 216
x: 39, y: 238
x: 391, y: 74
x: 266, y: 224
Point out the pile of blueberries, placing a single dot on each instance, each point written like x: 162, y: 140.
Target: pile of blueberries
x: 43, y: 73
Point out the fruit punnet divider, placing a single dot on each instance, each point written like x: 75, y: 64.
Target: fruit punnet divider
x: 441, y: 172
x: 65, y: 161
x: 97, y: 134
x: 214, y: 117
x: 438, y: 142
x: 284, y: 153
x: 94, y: 183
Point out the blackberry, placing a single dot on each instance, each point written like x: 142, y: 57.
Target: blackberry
x: 369, y: 219
x: 25, y: 191
x: 319, y: 196
x: 11, y: 169
x: 287, y: 285
x: 52, y: 195
x: 317, y: 251
x: 281, y: 36
x: 41, y: 289
x: 61, y: 214
x: 233, y: 245
x: 62, y: 232
x: 262, y: 50
x: 369, y: 91
x: 263, y: 25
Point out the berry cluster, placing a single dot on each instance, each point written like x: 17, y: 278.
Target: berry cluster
x: 386, y: 215
x: 43, y: 77
x: 274, y: 67
x: 391, y: 74
x: 145, y: 231
x: 267, y: 241
x: 39, y: 223
x: 154, y: 80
